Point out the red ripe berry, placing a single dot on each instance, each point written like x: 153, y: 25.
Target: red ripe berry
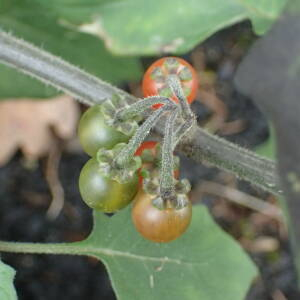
x: 159, y: 225
x: 154, y: 81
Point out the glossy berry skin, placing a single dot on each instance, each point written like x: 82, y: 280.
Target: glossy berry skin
x: 157, y: 225
x: 154, y: 81
x: 102, y: 193
x: 94, y: 134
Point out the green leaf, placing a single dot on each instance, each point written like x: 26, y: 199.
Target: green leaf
x: 154, y: 26
x: 7, y: 290
x: 204, y: 264
x: 263, y: 13
x: 14, y: 85
x: 25, y: 20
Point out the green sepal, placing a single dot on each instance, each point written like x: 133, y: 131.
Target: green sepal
x: 182, y: 201
x: 181, y: 187
x: 107, y: 165
x: 185, y: 74
x: 144, y: 173
x: 171, y: 64
x: 110, y: 107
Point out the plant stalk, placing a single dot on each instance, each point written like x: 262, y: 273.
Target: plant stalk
x: 167, y: 191
x: 200, y: 145
x: 175, y: 86
x: 126, y: 154
x: 140, y: 106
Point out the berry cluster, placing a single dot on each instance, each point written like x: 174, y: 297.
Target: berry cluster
x: 125, y: 168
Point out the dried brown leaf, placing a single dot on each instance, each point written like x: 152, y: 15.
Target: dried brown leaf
x: 27, y: 125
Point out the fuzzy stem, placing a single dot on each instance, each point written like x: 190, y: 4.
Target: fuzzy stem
x: 167, y: 191
x: 125, y: 156
x: 200, y: 145
x: 140, y: 106
x: 184, y: 129
x: 175, y: 86
x: 203, y: 146
x: 55, y: 72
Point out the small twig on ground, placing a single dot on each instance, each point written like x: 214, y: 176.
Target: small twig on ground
x: 233, y: 127
x: 52, y: 178
x: 278, y: 295
x: 208, y: 187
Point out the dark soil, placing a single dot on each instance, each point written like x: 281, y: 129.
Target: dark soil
x: 25, y: 198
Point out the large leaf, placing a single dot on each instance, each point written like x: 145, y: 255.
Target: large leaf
x: 25, y: 20
x: 156, y: 26
x: 204, y: 264
x: 7, y: 290
x: 270, y: 76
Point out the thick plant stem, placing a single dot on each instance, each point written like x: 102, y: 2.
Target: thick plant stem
x: 126, y: 154
x: 55, y: 71
x: 200, y: 145
x: 167, y: 191
x: 140, y: 106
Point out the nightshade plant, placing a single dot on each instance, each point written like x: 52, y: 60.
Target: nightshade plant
x: 108, y: 182
x: 205, y: 263
x: 185, y: 255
